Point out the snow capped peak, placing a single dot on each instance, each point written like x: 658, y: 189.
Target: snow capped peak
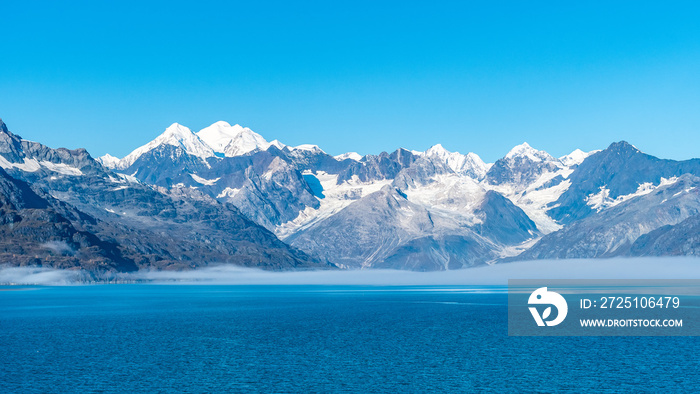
x: 175, y: 135
x: 520, y: 150
x: 309, y: 148
x: 524, y: 150
x: 181, y: 136
x: 437, y: 150
x: 277, y: 144
x: 108, y: 161
x: 576, y: 157
x: 469, y: 164
x: 176, y: 130
x: 350, y: 155
x: 221, y: 137
x: 473, y: 166
x: 221, y: 124
x: 233, y: 140
x: 471, y: 156
x: 218, y: 132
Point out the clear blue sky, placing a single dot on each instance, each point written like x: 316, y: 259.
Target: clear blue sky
x: 477, y: 76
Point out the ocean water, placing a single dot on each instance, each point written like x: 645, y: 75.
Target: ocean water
x: 188, y: 338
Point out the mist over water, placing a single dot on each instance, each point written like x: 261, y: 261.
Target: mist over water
x: 621, y: 268
x: 39, y: 276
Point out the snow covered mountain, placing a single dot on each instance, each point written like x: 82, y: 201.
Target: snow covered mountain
x: 431, y: 210
x: 61, y: 208
x: 297, y: 192
x: 576, y: 157
x: 176, y: 135
x: 187, y: 198
x: 108, y: 161
x: 522, y: 166
x: 614, y: 229
x: 469, y: 165
x: 349, y: 155
x: 614, y: 174
x: 233, y: 140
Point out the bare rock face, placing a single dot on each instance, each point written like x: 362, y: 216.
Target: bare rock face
x: 502, y: 221
x: 34, y: 232
x: 682, y: 239
x: 383, y: 166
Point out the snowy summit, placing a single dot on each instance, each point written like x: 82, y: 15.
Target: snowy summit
x: 233, y: 140
x: 109, y: 161
x: 469, y: 164
x: 175, y: 135
x: 524, y: 150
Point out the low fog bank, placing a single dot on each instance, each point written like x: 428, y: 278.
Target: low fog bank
x: 40, y: 276
x: 628, y: 268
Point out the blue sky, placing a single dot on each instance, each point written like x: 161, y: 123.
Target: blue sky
x: 357, y: 76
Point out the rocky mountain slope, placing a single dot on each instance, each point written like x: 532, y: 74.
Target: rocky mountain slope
x: 613, y: 231
x: 681, y: 239
x: 116, y: 222
x: 33, y: 231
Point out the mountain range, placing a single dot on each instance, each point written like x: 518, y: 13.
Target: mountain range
x: 61, y: 208
x: 225, y: 194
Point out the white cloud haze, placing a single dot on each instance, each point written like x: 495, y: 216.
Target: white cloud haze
x: 627, y: 268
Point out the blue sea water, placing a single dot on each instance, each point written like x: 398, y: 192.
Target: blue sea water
x: 176, y: 338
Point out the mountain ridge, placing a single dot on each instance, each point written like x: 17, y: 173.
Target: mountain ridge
x: 325, y: 195
x: 151, y: 226
x: 431, y: 210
